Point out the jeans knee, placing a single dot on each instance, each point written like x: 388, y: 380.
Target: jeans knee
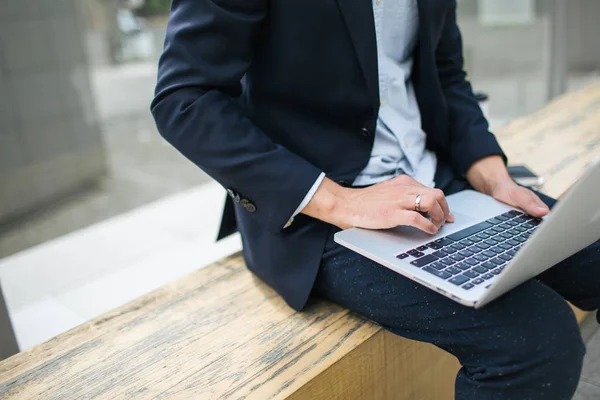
x: 554, y: 357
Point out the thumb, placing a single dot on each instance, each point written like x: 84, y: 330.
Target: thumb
x: 531, y: 203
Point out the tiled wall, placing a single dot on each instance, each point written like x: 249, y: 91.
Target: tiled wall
x: 50, y: 142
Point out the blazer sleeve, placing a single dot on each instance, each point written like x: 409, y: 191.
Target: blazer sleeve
x: 208, y: 49
x: 470, y: 138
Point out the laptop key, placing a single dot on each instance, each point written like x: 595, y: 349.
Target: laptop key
x: 465, y: 233
x: 475, y: 239
x: 471, y: 274
x: 514, y: 232
x: 472, y: 262
x: 449, y: 250
x: 452, y: 270
x: 506, y: 257
x: 497, y: 271
x: 505, y: 226
x: 438, y: 265
x: 463, y: 266
x: 520, y: 228
x: 520, y: 239
x: 502, y: 217
x: 459, y: 280
x: 480, y: 269
x: 458, y: 246
x: 468, y: 286
x: 444, y: 241
x: 465, y: 253
x: 413, y: 251
x: 439, y: 274
x: 499, y: 238
x: 478, y: 281
x: 484, y: 245
x: 483, y: 236
x: 512, y: 242
x: 497, y: 261
x: 439, y: 254
x: 491, y: 242
x: 422, y: 248
x: 457, y: 257
x: 448, y: 261
x: 417, y: 254
x: 421, y: 262
x: 487, y: 276
x: 497, y: 250
x: 491, y: 232
x: 534, y: 222
x: 497, y: 229
x: 402, y: 256
x: 505, y: 246
x: 475, y: 249
x: 489, y: 253
x: 515, y: 213
x: 511, y: 223
x: 466, y: 242
x: 494, y: 221
x: 480, y: 257
x: 489, y: 265
x: 434, y: 246
x: 505, y: 235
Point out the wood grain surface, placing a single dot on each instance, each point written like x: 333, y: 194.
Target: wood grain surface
x: 220, y: 333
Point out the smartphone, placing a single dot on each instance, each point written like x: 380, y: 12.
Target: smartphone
x: 524, y: 176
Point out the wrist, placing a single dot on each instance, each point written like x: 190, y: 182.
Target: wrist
x: 486, y: 174
x: 329, y: 203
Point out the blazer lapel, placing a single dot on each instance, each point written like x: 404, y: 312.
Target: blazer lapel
x: 358, y: 15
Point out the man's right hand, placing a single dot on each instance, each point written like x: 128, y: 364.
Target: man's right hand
x: 381, y: 206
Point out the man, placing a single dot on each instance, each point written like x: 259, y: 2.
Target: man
x: 349, y: 110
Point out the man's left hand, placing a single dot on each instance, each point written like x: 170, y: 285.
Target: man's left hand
x: 517, y: 196
x: 489, y: 176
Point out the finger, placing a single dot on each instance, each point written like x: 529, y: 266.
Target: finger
x: 530, y: 202
x: 413, y: 218
x: 441, y: 199
x: 431, y: 206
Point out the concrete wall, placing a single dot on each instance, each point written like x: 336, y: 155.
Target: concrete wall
x: 50, y: 142
x: 583, y: 35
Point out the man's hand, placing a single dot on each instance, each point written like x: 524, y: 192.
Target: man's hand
x: 517, y: 196
x: 385, y: 205
x: 490, y: 176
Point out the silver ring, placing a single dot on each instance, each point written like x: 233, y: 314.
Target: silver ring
x: 418, y: 203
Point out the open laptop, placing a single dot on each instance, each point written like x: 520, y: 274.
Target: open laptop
x: 491, y: 248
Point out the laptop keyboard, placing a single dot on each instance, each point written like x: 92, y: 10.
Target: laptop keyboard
x: 477, y: 254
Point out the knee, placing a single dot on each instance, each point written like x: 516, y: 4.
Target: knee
x: 550, y: 352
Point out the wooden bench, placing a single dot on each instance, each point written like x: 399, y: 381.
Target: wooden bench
x: 221, y: 333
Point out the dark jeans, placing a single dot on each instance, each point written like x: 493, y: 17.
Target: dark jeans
x: 524, y: 345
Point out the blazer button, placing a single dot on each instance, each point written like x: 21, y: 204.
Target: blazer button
x: 365, y: 132
x: 247, y: 205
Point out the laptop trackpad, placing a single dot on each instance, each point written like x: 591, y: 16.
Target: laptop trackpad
x: 417, y: 236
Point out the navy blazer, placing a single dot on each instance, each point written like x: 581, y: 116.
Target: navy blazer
x: 308, y: 103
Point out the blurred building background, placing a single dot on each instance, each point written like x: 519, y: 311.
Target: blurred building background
x: 78, y: 145
x: 80, y: 155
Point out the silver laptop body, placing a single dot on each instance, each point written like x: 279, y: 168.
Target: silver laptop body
x: 481, y: 274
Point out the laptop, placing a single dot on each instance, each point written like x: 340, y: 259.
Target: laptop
x: 491, y: 248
